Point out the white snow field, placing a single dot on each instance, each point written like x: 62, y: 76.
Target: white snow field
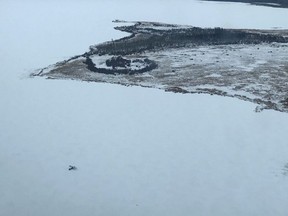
x: 138, y: 151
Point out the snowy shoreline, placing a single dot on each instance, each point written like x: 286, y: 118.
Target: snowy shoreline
x: 249, y: 65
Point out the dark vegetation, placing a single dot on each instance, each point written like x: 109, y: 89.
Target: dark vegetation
x: 147, y: 38
x: 176, y: 89
x: 285, y: 102
x: 121, y: 66
x: 118, y: 62
x: 275, y: 3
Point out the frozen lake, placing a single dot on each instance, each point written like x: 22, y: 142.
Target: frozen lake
x: 138, y: 151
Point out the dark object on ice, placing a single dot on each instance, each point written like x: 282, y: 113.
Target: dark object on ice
x: 72, y: 168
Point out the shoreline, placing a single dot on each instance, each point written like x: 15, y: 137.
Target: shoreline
x: 250, y: 65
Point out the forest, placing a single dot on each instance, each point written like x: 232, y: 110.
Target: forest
x: 147, y: 38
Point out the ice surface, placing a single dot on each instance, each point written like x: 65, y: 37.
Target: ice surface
x: 138, y: 151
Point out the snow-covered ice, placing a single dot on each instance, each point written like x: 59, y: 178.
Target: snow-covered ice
x: 138, y: 151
